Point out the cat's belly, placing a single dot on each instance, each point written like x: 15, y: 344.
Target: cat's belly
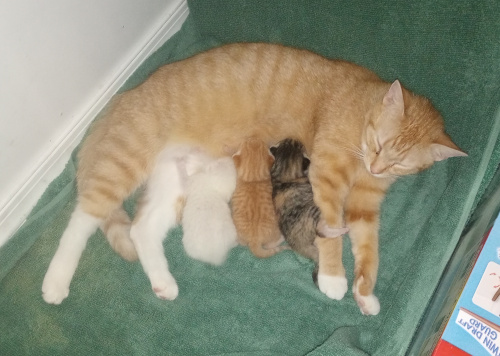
x: 225, y: 136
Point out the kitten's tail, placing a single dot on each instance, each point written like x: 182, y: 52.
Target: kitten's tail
x: 267, y: 250
x: 116, y: 228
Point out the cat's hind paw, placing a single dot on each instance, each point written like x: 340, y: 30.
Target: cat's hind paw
x: 54, y: 293
x: 335, y: 287
x: 55, y: 286
x: 368, y: 304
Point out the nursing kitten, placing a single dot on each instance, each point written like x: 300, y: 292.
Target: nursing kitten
x: 293, y: 199
x: 209, y: 231
x: 359, y: 131
x: 252, y: 205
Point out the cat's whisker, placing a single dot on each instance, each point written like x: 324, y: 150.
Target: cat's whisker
x: 355, y: 151
x: 395, y: 176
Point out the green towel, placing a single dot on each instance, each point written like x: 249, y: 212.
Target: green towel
x: 448, y: 51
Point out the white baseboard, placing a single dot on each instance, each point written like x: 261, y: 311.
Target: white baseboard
x: 15, y: 212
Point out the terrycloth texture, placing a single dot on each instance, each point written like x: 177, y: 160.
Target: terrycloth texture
x: 446, y: 50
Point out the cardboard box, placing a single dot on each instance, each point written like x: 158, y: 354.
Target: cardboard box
x: 474, y: 327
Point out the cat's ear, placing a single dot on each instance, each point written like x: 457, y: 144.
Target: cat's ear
x: 393, y: 108
x: 445, y: 148
x: 393, y: 100
x: 273, y: 150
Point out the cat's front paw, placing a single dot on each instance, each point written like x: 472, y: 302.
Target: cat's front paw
x: 54, y: 292
x: 166, y: 289
x: 368, y: 304
x: 335, y: 287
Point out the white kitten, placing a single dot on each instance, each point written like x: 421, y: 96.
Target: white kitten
x: 209, y: 231
x: 158, y: 213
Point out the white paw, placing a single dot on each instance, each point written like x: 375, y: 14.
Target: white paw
x: 368, y: 304
x: 54, y: 292
x: 335, y: 287
x: 166, y: 289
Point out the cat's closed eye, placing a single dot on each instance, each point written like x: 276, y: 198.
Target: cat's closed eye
x: 378, y: 146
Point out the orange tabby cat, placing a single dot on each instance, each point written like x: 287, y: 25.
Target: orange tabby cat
x: 252, y: 203
x: 360, y: 133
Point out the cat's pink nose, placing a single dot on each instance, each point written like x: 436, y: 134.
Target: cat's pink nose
x: 374, y: 169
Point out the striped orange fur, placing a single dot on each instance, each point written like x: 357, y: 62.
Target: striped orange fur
x: 359, y: 132
x: 252, y: 203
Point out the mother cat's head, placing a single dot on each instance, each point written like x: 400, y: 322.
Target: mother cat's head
x: 405, y: 135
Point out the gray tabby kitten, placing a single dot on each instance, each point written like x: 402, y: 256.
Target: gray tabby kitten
x: 298, y: 216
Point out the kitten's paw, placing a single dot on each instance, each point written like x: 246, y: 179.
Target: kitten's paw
x: 166, y: 290
x: 53, y: 292
x: 368, y: 304
x: 324, y: 230
x: 335, y: 287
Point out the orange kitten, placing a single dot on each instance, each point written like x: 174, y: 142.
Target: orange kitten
x: 359, y: 132
x: 252, y: 205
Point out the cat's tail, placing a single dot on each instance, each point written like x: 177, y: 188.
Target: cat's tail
x: 116, y: 228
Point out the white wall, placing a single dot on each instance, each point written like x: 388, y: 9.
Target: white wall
x: 60, y: 62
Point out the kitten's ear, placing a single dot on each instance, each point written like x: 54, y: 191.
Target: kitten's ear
x: 393, y: 99
x: 228, y: 150
x: 273, y: 150
x: 237, y: 160
x: 444, y: 148
x: 270, y: 160
x: 306, y: 162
